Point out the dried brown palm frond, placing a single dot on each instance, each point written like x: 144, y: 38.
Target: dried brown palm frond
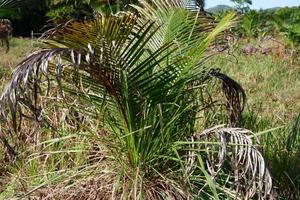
x: 235, y: 96
x: 231, y: 151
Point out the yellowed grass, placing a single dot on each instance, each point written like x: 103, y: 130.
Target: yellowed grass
x: 19, y: 49
x: 271, y: 83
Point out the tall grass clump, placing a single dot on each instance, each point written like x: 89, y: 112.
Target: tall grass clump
x: 282, y: 150
x: 136, y: 90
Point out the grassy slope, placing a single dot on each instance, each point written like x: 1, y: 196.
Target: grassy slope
x: 19, y: 49
x: 272, y: 87
x: 271, y: 84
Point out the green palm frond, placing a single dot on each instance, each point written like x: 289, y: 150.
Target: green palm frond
x: 8, y: 8
x: 187, y: 29
x: 7, y: 3
x: 235, y: 96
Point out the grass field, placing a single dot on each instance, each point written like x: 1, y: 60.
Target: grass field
x: 273, y: 103
x: 20, y: 48
x: 271, y: 84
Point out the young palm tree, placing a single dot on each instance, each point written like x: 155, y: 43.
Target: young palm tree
x: 146, y: 74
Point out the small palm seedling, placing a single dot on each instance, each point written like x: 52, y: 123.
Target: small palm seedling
x: 146, y: 74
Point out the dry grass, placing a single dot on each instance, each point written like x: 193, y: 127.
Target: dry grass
x: 19, y: 49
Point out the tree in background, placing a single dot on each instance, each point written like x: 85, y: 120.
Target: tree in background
x: 34, y: 15
x: 242, y: 5
x: 286, y: 23
x: 5, y: 31
x: 31, y: 17
x: 64, y: 10
x: 8, y: 9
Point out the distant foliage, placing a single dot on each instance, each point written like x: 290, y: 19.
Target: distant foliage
x: 64, y: 10
x: 242, y: 5
x: 256, y: 24
x: 286, y: 21
x: 280, y: 24
x: 35, y: 14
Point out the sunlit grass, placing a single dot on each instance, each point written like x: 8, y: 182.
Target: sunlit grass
x: 19, y: 49
x: 271, y: 84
